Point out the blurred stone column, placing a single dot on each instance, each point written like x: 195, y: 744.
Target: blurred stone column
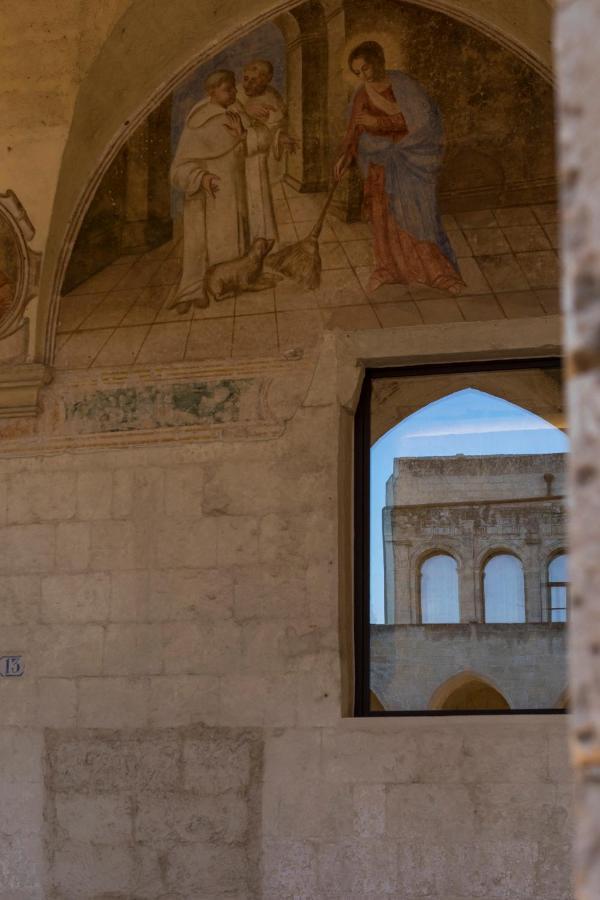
x: 578, y: 66
x: 400, y: 605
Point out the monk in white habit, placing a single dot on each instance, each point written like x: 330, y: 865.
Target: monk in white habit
x: 264, y: 104
x: 210, y: 168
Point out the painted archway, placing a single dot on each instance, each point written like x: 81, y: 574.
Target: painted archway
x: 149, y: 51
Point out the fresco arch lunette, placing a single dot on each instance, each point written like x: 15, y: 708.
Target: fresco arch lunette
x: 148, y: 52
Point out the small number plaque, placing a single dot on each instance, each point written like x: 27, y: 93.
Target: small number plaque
x: 11, y: 666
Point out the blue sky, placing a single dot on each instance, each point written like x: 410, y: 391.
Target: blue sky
x: 468, y: 421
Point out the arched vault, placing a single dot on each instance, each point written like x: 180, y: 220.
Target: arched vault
x: 152, y: 47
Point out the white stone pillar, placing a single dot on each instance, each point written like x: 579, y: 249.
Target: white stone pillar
x: 406, y: 612
x: 468, y: 577
x: 533, y: 596
x: 578, y: 64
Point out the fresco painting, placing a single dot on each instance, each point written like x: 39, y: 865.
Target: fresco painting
x: 395, y: 134
x: 221, y: 167
x: 9, y: 267
x: 167, y: 406
x: 382, y: 166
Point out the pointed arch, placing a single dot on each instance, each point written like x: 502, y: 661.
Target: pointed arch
x: 536, y: 392
x: 468, y: 690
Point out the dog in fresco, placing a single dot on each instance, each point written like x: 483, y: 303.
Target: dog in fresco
x: 228, y: 279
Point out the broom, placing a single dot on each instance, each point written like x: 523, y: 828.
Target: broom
x: 302, y: 261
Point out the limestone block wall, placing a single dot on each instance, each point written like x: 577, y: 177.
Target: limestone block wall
x: 478, y: 478
x: 526, y: 663
x: 178, y: 731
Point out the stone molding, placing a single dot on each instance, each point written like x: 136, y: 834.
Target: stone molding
x: 117, y: 408
x: 20, y: 387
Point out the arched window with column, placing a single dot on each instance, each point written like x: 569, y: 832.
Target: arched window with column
x: 439, y: 590
x: 558, y: 588
x: 504, y: 589
x: 459, y: 514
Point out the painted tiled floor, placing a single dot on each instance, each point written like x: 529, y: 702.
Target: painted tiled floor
x: 508, y: 259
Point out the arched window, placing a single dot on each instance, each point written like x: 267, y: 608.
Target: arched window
x: 504, y: 589
x: 558, y: 587
x: 439, y: 590
x: 467, y: 690
x: 455, y: 488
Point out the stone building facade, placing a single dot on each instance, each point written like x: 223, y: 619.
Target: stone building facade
x: 471, y: 509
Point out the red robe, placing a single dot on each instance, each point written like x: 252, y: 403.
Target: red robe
x: 399, y: 257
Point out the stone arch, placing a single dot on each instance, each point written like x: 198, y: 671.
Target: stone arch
x: 508, y: 548
x: 419, y: 556
x: 538, y: 392
x: 150, y: 50
x: 465, y: 688
x: 556, y: 551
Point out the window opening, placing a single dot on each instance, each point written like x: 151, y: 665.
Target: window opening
x: 439, y: 590
x: 558, y: 588
x: 459, y: 494
x: 504, y: 589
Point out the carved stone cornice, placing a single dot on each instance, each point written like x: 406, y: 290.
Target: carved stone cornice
x: 20, y: 387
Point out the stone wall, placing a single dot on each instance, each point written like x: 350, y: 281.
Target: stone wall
x: 178, y: 602
x: 454, y: 479
x: 527, y: 664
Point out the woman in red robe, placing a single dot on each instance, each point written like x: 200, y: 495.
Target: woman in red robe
x: 395, y: 135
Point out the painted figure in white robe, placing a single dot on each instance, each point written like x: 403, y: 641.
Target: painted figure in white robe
x: 210, y: 168
x: 264, y: 104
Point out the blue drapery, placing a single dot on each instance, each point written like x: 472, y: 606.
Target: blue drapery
x: 412, y: 164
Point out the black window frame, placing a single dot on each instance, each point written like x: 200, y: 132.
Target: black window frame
x: 362, y: 549
x: 556, y: 584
